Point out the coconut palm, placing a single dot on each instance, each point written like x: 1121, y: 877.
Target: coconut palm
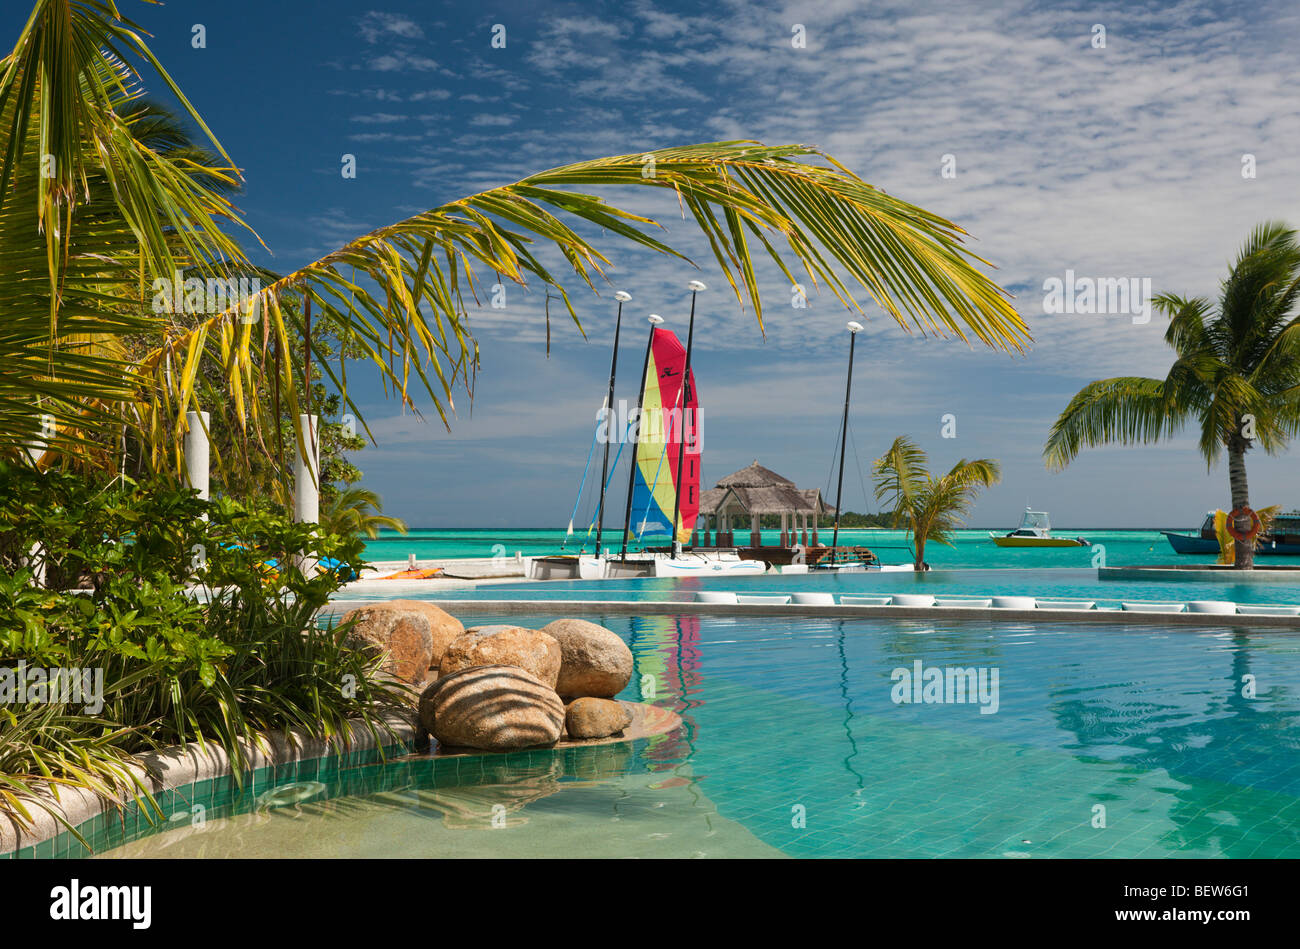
x: 1236, y: 374
x: 403, y: 288
x: 138, y: 196
x: 930, y: 508
x: 356, y: 511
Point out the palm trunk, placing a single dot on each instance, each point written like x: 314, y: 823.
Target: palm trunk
x: 920, y: 534
x: 1244, y: 550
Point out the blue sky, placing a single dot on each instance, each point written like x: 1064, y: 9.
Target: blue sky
x: 1123, y: 161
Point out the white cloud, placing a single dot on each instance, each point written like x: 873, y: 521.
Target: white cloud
x: 400, y: 61
x: 376, y: 25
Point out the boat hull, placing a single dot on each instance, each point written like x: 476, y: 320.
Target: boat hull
x: 566, y: 567
x: 1036, y: 541
x: 1187, y: 544
x: 699, y: 567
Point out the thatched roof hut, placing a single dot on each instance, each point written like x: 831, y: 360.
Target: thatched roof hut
x: 754, y: 492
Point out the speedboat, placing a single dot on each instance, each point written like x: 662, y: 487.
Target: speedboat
x: 1035, y: 530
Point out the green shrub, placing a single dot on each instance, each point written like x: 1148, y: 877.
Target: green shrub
x: 197, y: 614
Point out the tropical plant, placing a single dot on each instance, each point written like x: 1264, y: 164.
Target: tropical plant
x: 1236, y: 374
x: 119, y: 567
x: 91, y: 200
x: 356, y: 511
x: 930, y: 508
x: 402, y: 288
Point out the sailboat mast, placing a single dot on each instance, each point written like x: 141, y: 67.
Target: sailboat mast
x: 622, y: 297
x: 655, y: 320
x: 844, y: 436
x: 696, y: 286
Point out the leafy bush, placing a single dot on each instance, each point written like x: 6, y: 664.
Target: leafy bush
x: 199, y: 616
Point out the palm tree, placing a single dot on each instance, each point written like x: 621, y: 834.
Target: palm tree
x: 400, y: 290
x: 931, y: 508
x: 354, y: 511
x: 1236, y: 374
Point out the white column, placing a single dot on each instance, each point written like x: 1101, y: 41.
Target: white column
x: 36, y: 451
x: 198, y: 452
x: 306, y: 475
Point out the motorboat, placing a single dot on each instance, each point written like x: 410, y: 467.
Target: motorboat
x: 1035, y: 530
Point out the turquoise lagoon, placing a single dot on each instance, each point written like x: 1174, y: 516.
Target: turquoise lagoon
x: 972, y: 548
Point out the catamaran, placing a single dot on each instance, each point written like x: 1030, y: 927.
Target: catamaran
x: 1035, y: 530
x: 664, y: 481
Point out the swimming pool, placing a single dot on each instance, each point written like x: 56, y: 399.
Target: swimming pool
x: 1128, y: 741
x: 1057, y: 582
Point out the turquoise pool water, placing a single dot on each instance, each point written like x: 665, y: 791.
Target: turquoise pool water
x: 1117, y: 741
x: 1065, y: 583
x: 972, y: 547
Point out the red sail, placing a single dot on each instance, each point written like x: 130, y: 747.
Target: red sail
x: 666, y: 421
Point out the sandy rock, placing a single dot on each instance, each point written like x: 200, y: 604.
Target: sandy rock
x: 443, y: 627
x: 595, y: 718
x: 392, y: 627
x: 531, y: 650
x: 594, y: 660
x: 497, y: 708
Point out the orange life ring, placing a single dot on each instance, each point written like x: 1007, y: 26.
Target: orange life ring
x: 1254, y: 523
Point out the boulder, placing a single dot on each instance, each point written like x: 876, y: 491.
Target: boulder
x: 595, y: 718
x: 594, y: 661
x: 443, y: 627
x: 495, y: 708
x: 535, y: 652
x: 424, y: 707
x: 405, y: 634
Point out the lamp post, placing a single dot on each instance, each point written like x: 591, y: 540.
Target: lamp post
x: 854, y: 328
x: 622, y: 297
x: 695, y: 286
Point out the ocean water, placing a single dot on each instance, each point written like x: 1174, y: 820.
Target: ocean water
x: 1124, y: 741
x: 971, y: 549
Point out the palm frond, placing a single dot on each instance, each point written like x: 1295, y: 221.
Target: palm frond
x: 1126, y: 409
x: 900, y: 475
x: 415, y: 332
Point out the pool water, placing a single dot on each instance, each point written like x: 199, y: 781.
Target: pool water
x: 1049, y: 582
x: 1127, y: 741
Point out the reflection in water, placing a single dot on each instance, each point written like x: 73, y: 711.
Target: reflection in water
x: 288, y: 795
x: 666, y: 648
x: 848, y: 710
x: 1233, y: 740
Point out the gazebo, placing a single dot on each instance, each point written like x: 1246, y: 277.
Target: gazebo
x: 751, y: 493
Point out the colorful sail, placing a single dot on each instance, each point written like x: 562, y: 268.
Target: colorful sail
x: 666, y: 419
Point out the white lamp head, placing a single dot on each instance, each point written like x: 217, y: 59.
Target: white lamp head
x: 622, y: 296
x: 854, y: 326
x: 656, y: 319
x: 696, y: 286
